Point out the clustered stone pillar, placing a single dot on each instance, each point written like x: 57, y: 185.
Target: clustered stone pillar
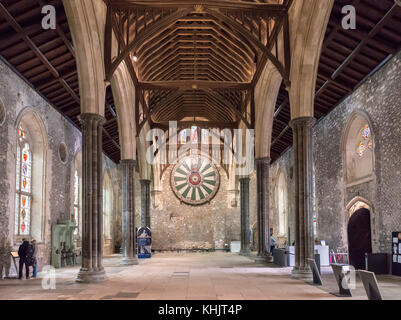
x: 145, y: 203
x: 245, y: 231
x: 92, y: 197
x: 304, y: 244
x: 262, y: 180
x: 128, y: 219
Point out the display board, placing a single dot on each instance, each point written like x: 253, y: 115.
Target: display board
x: 370, y: 284
x: 144, y: 243
x: 396, y: 258
x: 340, y: 273
x: 317, y: 279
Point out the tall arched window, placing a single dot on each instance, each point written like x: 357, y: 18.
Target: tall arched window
x: 30, y: 173
x: 194, y: 134
x: 76, y: 196
x: 107, y: 205
x: 76, y: 209
x: 282, y: 204
x: 359, y: 149
x: 183, y: 137
x: 205, y: 136
x: 23, y: 197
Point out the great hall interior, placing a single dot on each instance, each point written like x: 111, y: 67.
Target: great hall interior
x: 201, y: 150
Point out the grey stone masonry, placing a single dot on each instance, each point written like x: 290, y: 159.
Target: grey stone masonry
x: 145, y: 203
x: 303, y: 171
x: 245, y: 229
x: 128, y: 223
x: 92, y: 197
x: 379, y: 98
x: 262, y: 180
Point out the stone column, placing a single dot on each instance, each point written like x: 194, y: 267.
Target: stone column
x: 245, y: 231
x: 128, y: 219
x: 145, y: 203
x: 92, y: 198
x: 304, y: 244
x: 262, y: 180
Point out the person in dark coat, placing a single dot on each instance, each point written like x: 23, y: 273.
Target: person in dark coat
x: 22, y: 252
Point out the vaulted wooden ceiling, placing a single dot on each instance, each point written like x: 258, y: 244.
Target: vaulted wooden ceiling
x: 177, y: 64
x: 195, y: 60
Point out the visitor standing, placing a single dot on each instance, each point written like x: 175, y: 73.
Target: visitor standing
x: 273, y: 242
x: 34, y: 258
x: 30, y: 256
x: 5, y: 255
x: 22, y: 253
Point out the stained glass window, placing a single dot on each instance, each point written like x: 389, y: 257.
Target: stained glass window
x: 194, y: 134
x: 366, y: 142
x: 361, y: 149
x: 366, y: 132
x: 205, y: 136
x: 23, y: 196
x: 282, y: 204
x: 76, y: 202
x: 183, y: 137
x: 107, y: 206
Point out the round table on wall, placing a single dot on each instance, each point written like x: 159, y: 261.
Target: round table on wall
x: 195, y: 180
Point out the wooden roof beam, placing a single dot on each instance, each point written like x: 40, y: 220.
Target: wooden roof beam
x: 193, y: 85
x: 266, y: 8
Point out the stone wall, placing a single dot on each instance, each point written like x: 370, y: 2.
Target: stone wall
x: 380, y: 99
x: 283, y: 165
x: 177, y: 226
x: 16, y: 97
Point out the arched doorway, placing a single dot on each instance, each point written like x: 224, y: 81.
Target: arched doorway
x: 359, y: 237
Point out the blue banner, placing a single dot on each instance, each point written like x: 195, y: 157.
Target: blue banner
x: 144, y: 240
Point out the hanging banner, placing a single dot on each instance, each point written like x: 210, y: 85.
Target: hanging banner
x: 144, y: 241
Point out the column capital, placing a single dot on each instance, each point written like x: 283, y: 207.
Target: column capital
x: 265, y: 160
x: 302, y: 122
x: 128, y: 162
x: 145, y: 181
x: 85, y: 117
x: 244, y: 179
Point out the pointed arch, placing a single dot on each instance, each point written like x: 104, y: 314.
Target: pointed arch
x: 76, y: 195
x: 357, y: 203
x: 358, y: 149
x: 266, y: 92
x: 30, y: 186
x: 282, y: 203
x: 308, y: 26
x: 125, y: 95
x: 87, y: 20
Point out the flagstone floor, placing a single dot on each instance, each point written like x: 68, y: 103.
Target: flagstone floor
x: 184, y: 276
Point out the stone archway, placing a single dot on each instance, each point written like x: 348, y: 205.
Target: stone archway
x: 359, y: 234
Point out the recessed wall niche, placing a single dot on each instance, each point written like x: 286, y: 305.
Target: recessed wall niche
x: 63, y: 152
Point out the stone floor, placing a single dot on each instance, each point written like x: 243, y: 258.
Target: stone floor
x: 192, y: 276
